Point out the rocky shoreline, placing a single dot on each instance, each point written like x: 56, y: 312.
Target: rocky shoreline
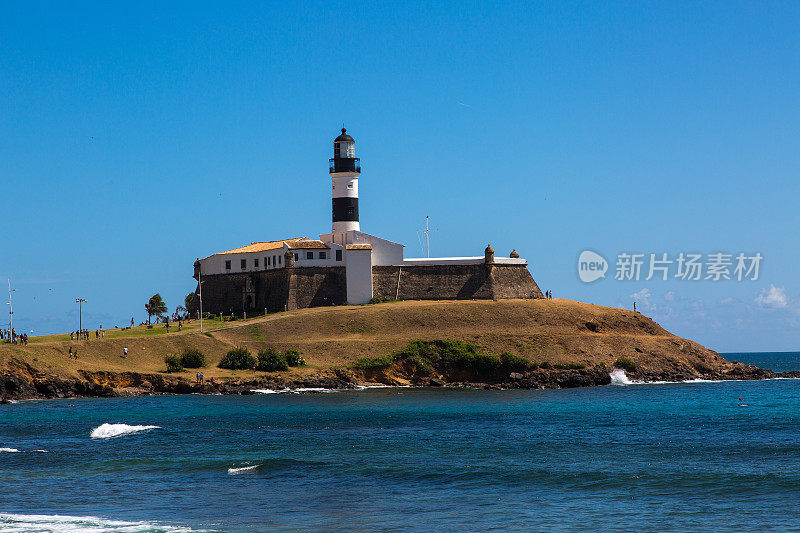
x: 31, y: 385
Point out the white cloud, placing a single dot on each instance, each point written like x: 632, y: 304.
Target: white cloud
x: 642, y: 299
x: 729, y: 300
x: 669, y: 296
x: 772, y: 298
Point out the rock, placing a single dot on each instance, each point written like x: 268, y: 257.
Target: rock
x: 435, y: 382
x: 515, y: 376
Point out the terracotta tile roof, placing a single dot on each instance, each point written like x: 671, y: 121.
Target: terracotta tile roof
x: 307, y: 245
x: 359, y: 247
x: 263, y: 246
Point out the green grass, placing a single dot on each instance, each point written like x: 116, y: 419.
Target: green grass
x: 256, y: 334
x: 382, y: 300
x: 429, y: 355
x: 569, y: 366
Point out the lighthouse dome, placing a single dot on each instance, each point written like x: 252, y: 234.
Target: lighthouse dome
x: 344, y: 137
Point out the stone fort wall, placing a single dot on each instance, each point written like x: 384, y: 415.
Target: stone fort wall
x: 274, y: 290
x: 296, y: 288
x: 454, y: 282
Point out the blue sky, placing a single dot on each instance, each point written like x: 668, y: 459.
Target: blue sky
x: 135, y: 138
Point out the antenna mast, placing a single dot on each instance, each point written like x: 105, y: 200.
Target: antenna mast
x: 427, y: 231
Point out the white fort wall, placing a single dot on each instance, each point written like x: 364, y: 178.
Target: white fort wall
x: 270, y: 260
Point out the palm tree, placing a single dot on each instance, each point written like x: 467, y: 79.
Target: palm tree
x: 155, y: 306
x: 192, y: 302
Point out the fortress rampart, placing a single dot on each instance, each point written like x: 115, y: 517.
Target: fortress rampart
x: 300, y: 287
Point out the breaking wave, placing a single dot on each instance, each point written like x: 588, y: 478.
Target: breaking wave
x: 300, y: 390
x: 107, y: 431
x: 242, y: 469
x: 618, y: 377
x: 9, y: 450
x: 14, y: 523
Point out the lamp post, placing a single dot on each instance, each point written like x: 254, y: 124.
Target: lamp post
x: 80, y: 301
x: 200, y: 287
x: 10, y: 307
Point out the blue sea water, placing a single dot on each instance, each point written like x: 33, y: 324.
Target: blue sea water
x: 665, y: 457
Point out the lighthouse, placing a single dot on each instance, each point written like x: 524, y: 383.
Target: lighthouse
x: 345, y: 168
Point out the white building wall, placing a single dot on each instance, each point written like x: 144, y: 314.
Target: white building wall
x: 359, y: 276
x: 344, y: 185
x: 269, y: 260
x: 384, y: 252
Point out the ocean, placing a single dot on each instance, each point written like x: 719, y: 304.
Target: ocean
x: 700, y: 456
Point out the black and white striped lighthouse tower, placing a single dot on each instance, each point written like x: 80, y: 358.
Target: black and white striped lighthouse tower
x: 345, y: 168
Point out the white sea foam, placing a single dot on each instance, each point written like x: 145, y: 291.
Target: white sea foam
x: 300, y: 390
x: 107, y: 431
x: 9, y: 450
x: 242, y: 469
x: 618, y: 377
x: 14, y: 523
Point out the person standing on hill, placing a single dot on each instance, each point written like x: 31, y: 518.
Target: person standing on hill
x: 124, y: 352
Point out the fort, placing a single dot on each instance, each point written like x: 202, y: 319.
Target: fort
x: 348, y: 265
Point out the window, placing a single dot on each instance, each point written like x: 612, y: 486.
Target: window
x: 323, y: 255
x: 244, y: 263
x: 266, y: 263
x: 227, y: 265
x: 338, y: 255
x: 349, y: 185
x: 255, y: 263
x: 269, y: 261
x: 296, y: 257
x: 309, y: 255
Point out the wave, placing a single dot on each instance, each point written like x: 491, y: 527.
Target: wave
x: 9, y: 450
x: 107, y: 431
x: 618, y: 377
x: 300, y: 390
x: 73, y: 524
x: 242, y: 469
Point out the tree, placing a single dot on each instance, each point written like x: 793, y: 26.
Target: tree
x: 155, y: 306
x: 192, y: 302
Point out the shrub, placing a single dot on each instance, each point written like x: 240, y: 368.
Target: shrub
x: 381, y: 300
x: 515, y: 362
x: 293, y: 358
x: 626, y: 364
x: 270, y: 360
x: 193, y: 358
x: 173, y: 363
x: 429, y: 355
x: 569, y: 366
x: 239, y: 358
x: 545, y: 365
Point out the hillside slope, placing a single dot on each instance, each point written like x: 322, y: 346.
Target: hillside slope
x: 548, y: 333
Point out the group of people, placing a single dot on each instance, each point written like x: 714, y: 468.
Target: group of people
x: 73, y: 354
x: 10, y: 335
x: 85, y: 333
x: 548, y: 295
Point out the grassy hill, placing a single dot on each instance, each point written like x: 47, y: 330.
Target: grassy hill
x: 545, y: 332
